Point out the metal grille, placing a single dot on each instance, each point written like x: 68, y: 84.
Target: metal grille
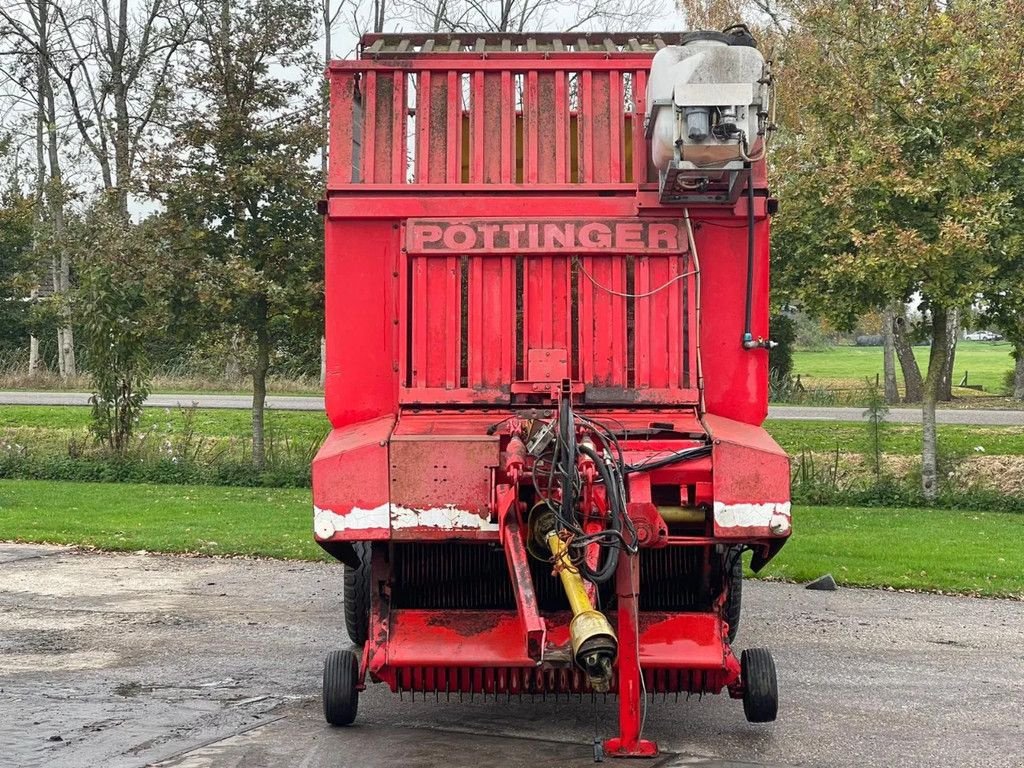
x: 456, y: 576
x: 541, y: 681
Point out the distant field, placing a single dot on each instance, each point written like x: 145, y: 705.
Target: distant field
x: 985, y: 362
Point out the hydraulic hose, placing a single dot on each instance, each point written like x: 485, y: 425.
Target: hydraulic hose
x: 748, y: 337
x: 615, y: 514
x: 567, y: 438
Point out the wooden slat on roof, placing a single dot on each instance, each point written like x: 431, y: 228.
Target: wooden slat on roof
x: 401, y: 45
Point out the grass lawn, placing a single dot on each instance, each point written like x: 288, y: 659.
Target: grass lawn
x: 985, y: 362
x: 948, y: 550
x: 954, y: 551
x: 47, y: 429
x: 896, y: 439
x: 269, y: 522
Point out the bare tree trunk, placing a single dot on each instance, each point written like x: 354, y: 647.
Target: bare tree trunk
x: 892, y: 392
x: 913, y: 384
x: 952, y: 332
x: 323, y: 360
x: 33, y: 356
x: 233, y: 365
x: 259, y: 389
x: 937, y: 360
x: 1018, y: 371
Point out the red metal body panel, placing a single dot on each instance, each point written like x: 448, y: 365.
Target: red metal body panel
x: 495, y: 241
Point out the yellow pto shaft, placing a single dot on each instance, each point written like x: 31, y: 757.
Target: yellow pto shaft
x: 594, y: 645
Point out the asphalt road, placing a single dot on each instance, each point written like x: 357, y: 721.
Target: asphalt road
x: 302, y: 403
x: 139, y: 660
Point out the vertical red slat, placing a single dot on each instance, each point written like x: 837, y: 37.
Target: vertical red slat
x: 403, y: 316
x: 369, y: 126
x: 675, y: 322
x: 437, y: 341
x: 384, y: 127
x: 547, y: 281
x: 437, y: 127
x: 509, y: 338
x: 493, y: 148
x: 399, y: 130
x: 452, y: 288
x: 599, y: 119
x: 531, y: 116
x: 561, y: 129
x: 343, y: 88
x: 477, y: 321
x: 508, y: 128
x: 639, y: 142
x: 642, y: 323
x: 615, y: 146
x: 423, y: 94
x: 546, y: 156
x: 660, y: 326
x: 478, y: 122
x: 533, y: 303
x: 454, y: 142
x: 603, y: 321
x: 584, y: 128
x: 618, y: 324
x: 585, y: 311
x: 420, y: 327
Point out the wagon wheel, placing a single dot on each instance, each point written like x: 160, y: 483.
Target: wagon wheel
x: 760, y: 686
x: 341, y: 697
x: 357, y: 595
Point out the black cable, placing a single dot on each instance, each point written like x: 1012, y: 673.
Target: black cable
x: 685, y: 455
x: 615, y: 514
x: 747, y: 335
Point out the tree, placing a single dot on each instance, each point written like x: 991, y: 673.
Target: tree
x: 17, y: 265
x: 29, y: 24
x: 240, y: 176
x: 122, y: 303
x: 904, y: 111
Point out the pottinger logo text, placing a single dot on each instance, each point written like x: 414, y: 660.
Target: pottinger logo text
x: 544, y: 235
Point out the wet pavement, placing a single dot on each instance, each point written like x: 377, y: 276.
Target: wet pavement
x: 136, y: 660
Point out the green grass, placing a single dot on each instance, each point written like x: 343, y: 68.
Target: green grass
x: 160, y: 518
x: 213, y: 422
x: 953, y: 551
x: 947, y: 550
x: 897, y: 439
x: 986, y: 363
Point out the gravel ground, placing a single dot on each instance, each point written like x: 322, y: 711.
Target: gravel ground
x: 132, y: 660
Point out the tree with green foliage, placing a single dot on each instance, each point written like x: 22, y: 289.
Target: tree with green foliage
x: 887, y: 163
x: 240, y: 176
x: 17, y: 267
x: 121, y: 304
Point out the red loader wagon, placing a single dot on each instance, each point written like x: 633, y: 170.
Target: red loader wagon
x: 547, y: 310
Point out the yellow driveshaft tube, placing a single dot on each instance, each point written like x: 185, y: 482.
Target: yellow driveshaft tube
x: 594, y: 645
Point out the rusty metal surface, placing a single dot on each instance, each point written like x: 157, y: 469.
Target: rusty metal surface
x: 406, y: 45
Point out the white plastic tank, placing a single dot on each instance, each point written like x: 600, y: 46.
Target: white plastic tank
x: 709, y: 78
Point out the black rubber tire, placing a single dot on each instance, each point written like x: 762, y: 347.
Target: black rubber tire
x: 760, y: 685
x: 341, y: 698
x: 357, y: 596
x: 734, y: 598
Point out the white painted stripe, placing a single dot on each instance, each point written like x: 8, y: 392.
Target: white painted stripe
x: 772, y: 514
x: 447, y: 517
x: 327, y: 522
